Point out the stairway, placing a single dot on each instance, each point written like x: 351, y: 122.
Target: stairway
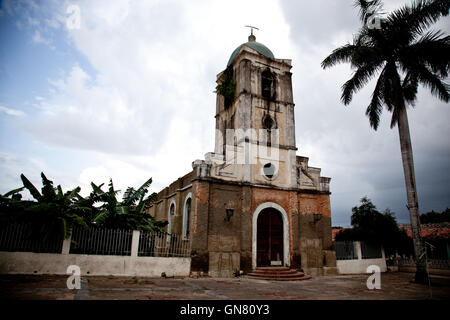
x: 278, y: 274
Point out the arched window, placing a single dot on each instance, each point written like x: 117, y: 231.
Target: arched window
x: 267, y: 85
x: 187, y: 217
x: 170, y: 217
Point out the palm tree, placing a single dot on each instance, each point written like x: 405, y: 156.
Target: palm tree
x: 404, y: 54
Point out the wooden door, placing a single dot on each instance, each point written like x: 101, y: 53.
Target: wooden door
x: 269, y: 238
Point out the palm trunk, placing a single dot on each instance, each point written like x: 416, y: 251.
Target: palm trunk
x: 411, y: 194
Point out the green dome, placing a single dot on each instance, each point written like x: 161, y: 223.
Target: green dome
x: 259, y: 47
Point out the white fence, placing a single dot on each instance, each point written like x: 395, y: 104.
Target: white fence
x: 100, y: 252
x: 354, y: 257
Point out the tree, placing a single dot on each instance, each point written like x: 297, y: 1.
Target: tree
x: 52, y: 214
x: 375, y: 227
x: 227, y: 86
x: 11, y: 205
x: 127, y: 214
x: 435, y: 217
x: 405, y: 55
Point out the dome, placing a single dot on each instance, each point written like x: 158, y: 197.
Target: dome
x: 259, y: 47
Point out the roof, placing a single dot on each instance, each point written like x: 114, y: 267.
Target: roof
x: 259, y: 47
x: 334, y: 232
x: 439, y: 230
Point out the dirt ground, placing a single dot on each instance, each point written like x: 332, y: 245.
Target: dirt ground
x: 394, y: 286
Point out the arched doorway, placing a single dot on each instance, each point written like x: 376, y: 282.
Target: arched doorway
x: 269, y: 243
x: 280, y: 212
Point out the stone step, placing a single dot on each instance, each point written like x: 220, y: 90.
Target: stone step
x: 267, y: 272
x: 272, y: 269
x: 275, y: 278
x: 277, y: 273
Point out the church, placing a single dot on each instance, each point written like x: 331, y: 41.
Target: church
x: 252, y: 202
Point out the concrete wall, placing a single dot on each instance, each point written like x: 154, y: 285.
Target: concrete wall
x: 53, y: 263
x: 357, y: 266
x: 98, y: 265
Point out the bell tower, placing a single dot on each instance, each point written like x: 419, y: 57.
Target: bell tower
x: 255, y: 128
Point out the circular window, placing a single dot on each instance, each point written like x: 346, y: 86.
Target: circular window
x: 268, y: 122
x: 269, y: 170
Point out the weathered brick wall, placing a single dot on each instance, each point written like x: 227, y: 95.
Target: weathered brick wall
x: 177, y: 191
x: 315, y: 231
x: 199, y: 226
x: 224, y: 237
x: 221, y: 246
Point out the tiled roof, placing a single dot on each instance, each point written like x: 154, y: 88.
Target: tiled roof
x: 430, y: 230
x: 439, y: 230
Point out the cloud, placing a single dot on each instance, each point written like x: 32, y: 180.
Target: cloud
x: 12, y: 165
x: 39, y: 39
x: 12, y: 112
x: 80, y: 115
x: 152, y: 92
x: 141, y: 104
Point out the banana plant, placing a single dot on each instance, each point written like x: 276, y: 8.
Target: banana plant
x: 12, y: 206
x: 128, y: 213
x: 54, y: 212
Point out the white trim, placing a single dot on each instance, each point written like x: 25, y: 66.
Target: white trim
x: 185, y: 222
x: 275, y: 174
x: 286, y: 249
x: 169, y: 218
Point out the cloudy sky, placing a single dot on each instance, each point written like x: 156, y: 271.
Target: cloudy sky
x: 92, y: 90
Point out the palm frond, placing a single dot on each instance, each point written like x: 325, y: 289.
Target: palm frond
x: 409, y: 88
x: 437, y: 87
x: 101, y: 217
x: 60, y: 192
x: 391, y: 85
x: 78, y: 220
x: 111, y: 187
x: 48, y: 191
x: 128, y: 194
x: 360, y: 78
x: 432, y: 49
x: 31, y: 188
x: 413, y: 19
x: 12, y: 192
x: 97, y: 189
x: 141, y: 204
x: 72, y: 194
x: 375, y: 107
x: 339, y: 55
x: 139, y: 193
x: 151, y: 197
